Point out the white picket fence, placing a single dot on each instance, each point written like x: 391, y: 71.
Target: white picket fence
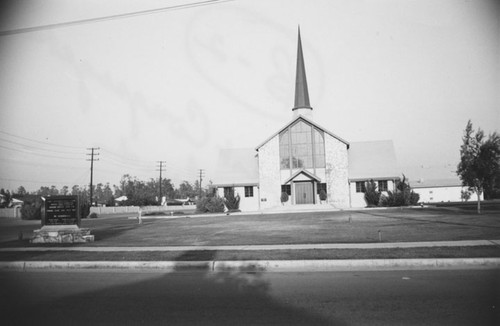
x: 135, y: 209
x: 14, y: 212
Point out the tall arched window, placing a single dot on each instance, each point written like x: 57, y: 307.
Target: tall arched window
x: 302, y: 146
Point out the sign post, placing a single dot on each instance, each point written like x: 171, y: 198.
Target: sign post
x: 62, y: 210
x: 61, y: 222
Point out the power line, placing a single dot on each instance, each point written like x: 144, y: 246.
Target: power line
x: 37, y: 141
x: 31, y: 181
x: 111, y: 17
x: 39, y: 154
x: 92, y: 159
x: 201, y: 179
x: 37, y: 148
x: 38, y: 164
x: 143, y: 164
x: 161, y: 170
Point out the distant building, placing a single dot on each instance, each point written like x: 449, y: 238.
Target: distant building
x: 302, y: 159
x: 437, y: 184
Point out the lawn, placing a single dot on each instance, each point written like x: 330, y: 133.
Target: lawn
x: 395, y: 225
x: 208, y: 255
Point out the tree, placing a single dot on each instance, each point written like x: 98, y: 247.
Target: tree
x: 43, y: 191
x: 6, y: 198
x: 21, y: 191
x: 479, y: 161
x: 232, y: 202
x: 186, y: 190
x: 64, y: 190
x: 402, y: 196
x: 284, y: 197
x: 372, y: 194
x: 53, y: 191
x: 140, y: 193
x: 107, y: 194
x: 98, y: 194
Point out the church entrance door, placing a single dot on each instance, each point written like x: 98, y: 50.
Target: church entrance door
x: 304, y: 193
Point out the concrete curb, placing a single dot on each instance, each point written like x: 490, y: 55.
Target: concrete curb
x: 260, y: 265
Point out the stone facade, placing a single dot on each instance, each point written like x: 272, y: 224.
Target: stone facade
x: 336, y: 172
x: 62, y: 234
x: 269, y: 173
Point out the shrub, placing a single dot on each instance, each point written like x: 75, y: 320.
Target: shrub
x: 32, y: 208
x: 211, y: 204
x: 372, y: 195
x: 284, y: 197
x: 414, y: 198
x: 465, y: 195
x: 403, y: 196
x: 93, y: 215
x: 322, y: 194
x: 232, y: 202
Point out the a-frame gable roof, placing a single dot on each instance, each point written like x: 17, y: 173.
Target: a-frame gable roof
x: 308, y: 174
x: 301, y: 117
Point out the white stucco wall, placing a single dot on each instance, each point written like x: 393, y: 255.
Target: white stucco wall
x: 247, y: 204
x: 358, y: 198
x: 443, y: 194
x: 269, y: 173
x: 336, y: 172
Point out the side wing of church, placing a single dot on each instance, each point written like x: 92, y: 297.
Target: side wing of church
x: 305, y: 161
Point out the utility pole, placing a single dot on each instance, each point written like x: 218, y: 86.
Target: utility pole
x: 161, y: 170
x: 201, y: 179
x: 92, y: 159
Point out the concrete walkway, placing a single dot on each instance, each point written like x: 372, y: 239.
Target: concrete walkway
x: 321, y: 246
x: 313, y: 265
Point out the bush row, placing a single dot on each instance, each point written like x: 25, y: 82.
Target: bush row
x: 402, y: 196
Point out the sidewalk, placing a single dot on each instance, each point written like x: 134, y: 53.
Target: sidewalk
x: 298, y: 265
x: 324, y: 246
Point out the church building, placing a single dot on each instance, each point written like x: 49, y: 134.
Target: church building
x: 307, y: 162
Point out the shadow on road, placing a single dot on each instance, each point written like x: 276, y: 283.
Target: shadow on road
x: 185, y: 297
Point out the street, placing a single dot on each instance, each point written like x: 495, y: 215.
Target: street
x: 454, y: 297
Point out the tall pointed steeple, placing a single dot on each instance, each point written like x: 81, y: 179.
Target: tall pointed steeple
x: 301, y: 105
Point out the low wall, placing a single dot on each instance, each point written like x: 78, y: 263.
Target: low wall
x: 14, y: 212
x: 135, y: 209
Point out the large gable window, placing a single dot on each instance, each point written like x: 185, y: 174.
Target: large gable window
x: 302, y: 149
x: 285, y: 150
x: 302, y: 146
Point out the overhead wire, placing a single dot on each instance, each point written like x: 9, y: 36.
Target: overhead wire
x: 38, y: 141
x: 38, y: 148
x: 110, y: 17
x: 145, y: 164
x: 39, y: 154
x: 40, y: 164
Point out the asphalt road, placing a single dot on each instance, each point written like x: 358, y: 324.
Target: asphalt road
x: 458, y: 297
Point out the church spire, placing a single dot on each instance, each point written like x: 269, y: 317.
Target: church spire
x: 301, y: 105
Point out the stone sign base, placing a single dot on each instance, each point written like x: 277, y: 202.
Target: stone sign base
x: 62, y: 234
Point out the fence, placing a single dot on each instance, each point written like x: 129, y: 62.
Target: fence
x: 14, y: 212
x: 135, y: 209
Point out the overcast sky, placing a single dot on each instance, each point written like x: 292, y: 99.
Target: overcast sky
x: 181, y: 83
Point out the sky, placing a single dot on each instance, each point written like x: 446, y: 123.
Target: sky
x: 180, y: 83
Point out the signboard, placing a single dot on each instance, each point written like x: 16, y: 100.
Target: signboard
x: 62, y: 210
